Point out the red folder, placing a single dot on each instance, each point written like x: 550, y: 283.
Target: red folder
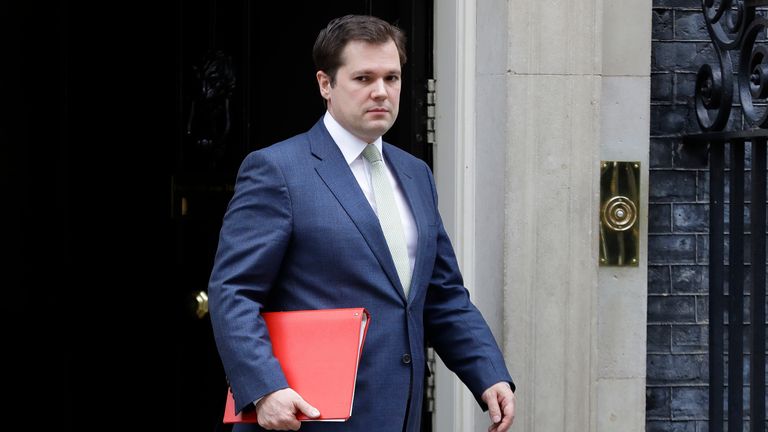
x: 319, y: 351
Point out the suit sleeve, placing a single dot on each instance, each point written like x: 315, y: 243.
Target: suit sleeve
x: 254, y: 236
x: 455, y: 327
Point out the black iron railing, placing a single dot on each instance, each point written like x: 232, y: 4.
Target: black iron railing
x: 735, y: 26
x: 726, y: 311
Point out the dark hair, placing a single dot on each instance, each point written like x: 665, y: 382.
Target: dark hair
x: 332, y: 40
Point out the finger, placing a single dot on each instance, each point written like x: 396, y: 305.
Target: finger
x: 307, y: 409
x: 505, y: 424
x: 285, y: 423
x: 493, y: 407
x: 494, y: 427
x: 293, y: 424
x: 508, y: 408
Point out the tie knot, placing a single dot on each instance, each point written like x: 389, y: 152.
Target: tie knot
x: 371, y: 153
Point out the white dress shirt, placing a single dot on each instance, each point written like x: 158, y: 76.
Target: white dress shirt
x: 352, y: 148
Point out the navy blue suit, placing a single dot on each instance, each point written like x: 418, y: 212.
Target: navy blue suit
x: 300, y: 234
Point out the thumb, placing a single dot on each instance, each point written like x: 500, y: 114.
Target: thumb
x: 307, y: 409
x: 493, y: 408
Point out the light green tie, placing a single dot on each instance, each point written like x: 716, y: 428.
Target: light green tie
x: 389, y: 215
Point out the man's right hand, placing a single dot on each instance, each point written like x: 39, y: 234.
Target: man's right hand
x: 277, y: 410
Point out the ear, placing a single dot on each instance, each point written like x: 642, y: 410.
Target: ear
x: 324, y: 84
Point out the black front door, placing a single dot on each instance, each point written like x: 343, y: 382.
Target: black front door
x: 120, y: 170
x: 246, y: 80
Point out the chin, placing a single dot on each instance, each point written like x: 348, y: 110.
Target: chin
x: 377, y: 133
x: 379, y: 128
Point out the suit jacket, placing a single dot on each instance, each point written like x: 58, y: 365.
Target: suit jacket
x: 300, y: 234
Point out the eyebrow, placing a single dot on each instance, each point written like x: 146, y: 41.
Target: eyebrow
x: 370, y: 72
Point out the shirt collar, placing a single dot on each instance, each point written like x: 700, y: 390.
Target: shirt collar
x: 351, y: 146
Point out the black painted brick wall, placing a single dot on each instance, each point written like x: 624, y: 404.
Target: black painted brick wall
x: 678, y: 245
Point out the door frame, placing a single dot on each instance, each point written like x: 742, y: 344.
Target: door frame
x: 455, y: 176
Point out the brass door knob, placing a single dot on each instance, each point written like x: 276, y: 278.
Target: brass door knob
x: 200, y: 304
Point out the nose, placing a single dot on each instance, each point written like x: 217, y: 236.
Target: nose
x: 379, y: 90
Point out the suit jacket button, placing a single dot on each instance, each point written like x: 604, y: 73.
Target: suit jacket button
x: 406, y: 358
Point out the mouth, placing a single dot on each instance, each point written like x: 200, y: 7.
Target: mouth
x: 378, y: 110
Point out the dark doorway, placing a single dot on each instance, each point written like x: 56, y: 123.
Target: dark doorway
x: 118, y: 197
x: 263, y: 67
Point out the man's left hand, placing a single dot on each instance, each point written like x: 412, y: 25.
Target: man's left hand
x: 501, y: 406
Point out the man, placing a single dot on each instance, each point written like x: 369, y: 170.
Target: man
x: 311, y: 226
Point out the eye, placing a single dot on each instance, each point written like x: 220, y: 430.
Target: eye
x: 393, y: 78
x: 362, y: 78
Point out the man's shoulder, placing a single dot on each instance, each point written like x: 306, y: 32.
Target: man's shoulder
x: 280, y: 155
x: 285, y: 150
x: 290, y: 146
x: 293, y: 147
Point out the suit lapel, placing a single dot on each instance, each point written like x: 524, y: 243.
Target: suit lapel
x: 335, y: 173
